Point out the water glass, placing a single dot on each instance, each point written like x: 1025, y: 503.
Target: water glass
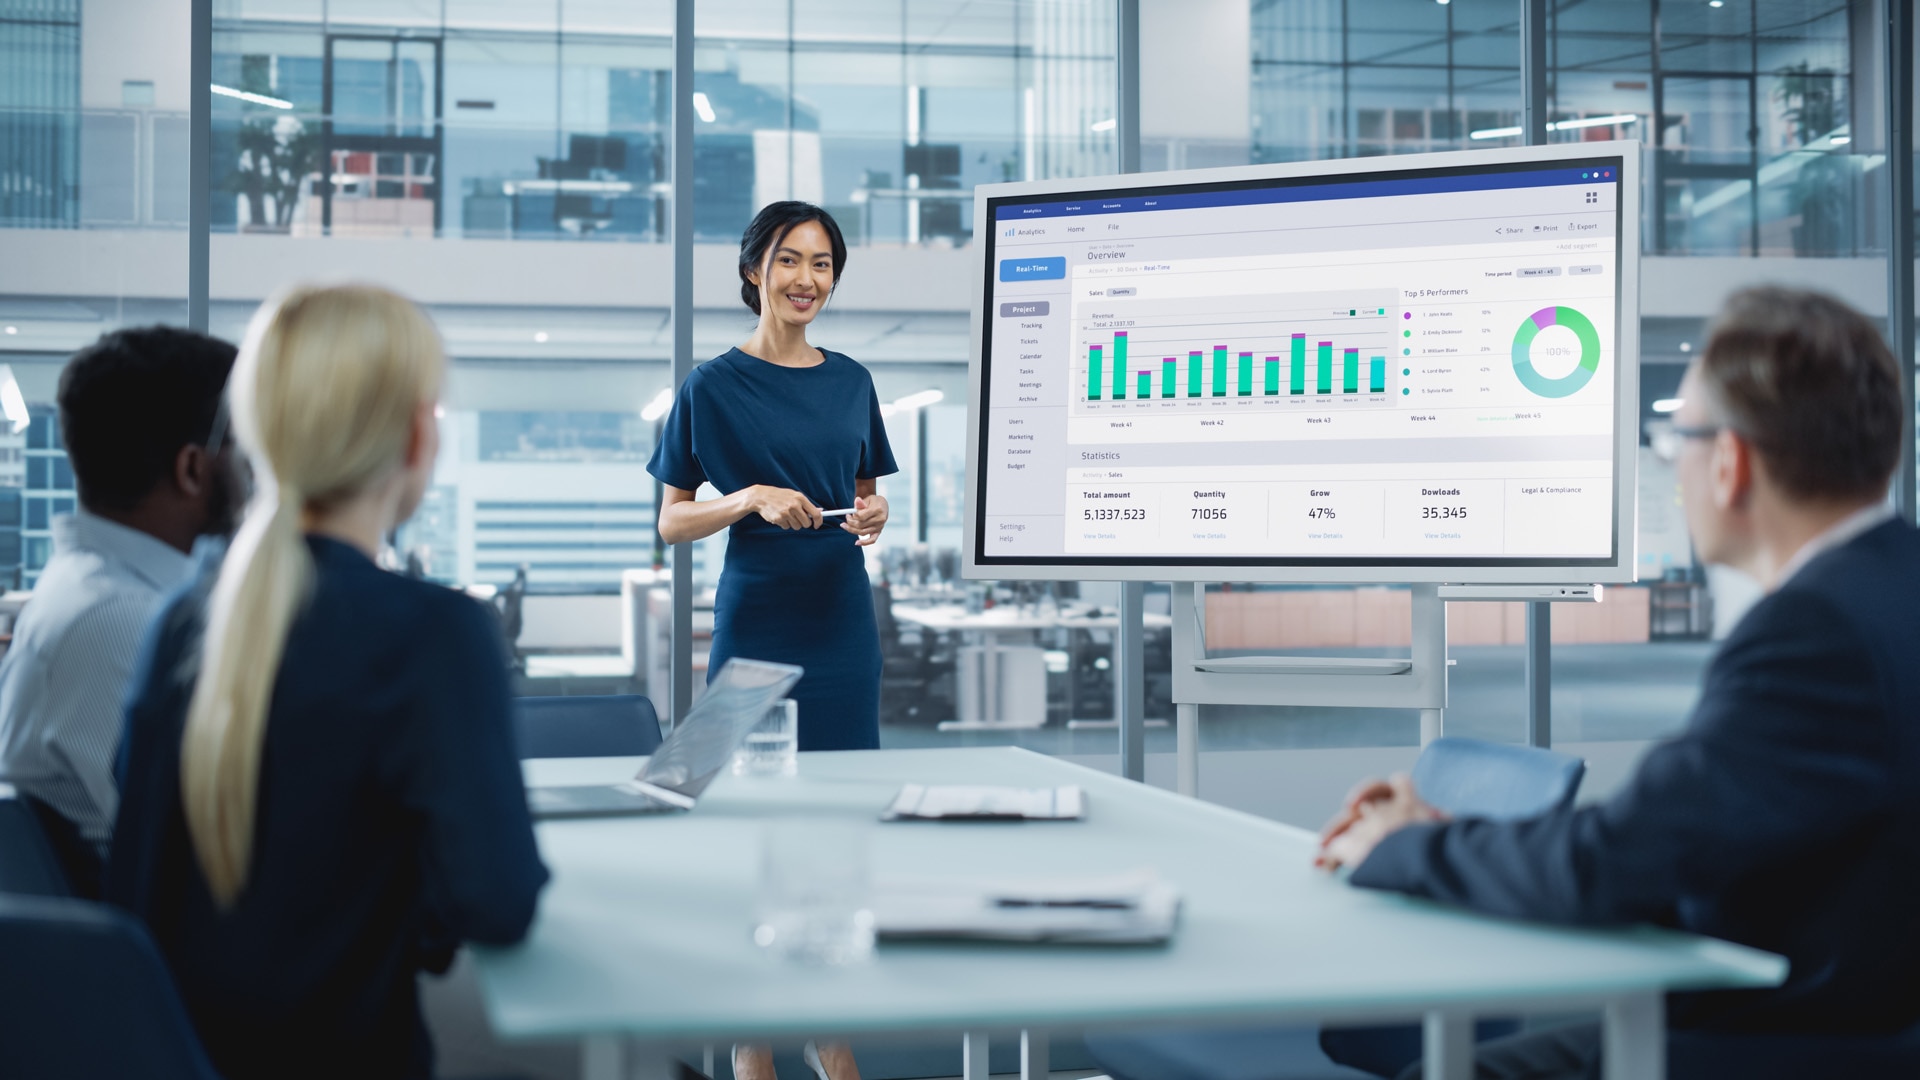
x: 815, y: 902
x: 772, y: 747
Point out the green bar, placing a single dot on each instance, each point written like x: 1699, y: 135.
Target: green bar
x: 1351, y: 365
x: 1193, y: 374
x: 1168, y: 372
x: 1377, y: 375
x: 1273, y: 374
x: 1146, y: 384
x: 1246, y: 374
x: 1120, y: 365
x: 1219, y: 371
x: 1326, y: 367
x: 1297, y: 382
x: 1093, y: 373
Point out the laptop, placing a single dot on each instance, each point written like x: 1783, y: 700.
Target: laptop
x: 701, y: 745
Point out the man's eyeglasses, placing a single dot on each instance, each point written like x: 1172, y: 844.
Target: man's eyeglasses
x: 1667, y: 441
x: 217, y: 434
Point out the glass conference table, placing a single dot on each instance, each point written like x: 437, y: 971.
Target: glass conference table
x: 643, y: 951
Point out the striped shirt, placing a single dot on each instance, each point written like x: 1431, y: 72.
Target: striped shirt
x: 63, y: 684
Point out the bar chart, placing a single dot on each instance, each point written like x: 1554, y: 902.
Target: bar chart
x: 1327, y: 348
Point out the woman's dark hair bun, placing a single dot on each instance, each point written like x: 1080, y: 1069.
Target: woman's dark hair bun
x: 770, y: 226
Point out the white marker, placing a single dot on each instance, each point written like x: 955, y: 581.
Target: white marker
x: 838, y: 513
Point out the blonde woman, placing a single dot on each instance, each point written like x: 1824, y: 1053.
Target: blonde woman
x: 320, y: 796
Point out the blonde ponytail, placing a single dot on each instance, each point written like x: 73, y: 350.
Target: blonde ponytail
x: 260, y: 587
x: 322, y: 398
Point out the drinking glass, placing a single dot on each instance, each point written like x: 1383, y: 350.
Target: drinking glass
x: 772, y: 747
x: 815, y: 902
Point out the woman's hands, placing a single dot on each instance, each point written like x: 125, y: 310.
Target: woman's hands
x: 682, y: 519
x: 784, y: 507
x: 868, y: 518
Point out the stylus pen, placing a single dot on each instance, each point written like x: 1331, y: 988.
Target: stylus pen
x: 836, y: 513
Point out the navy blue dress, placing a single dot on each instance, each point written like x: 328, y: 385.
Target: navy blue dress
x: 793, y: 596
x: 390, y: 825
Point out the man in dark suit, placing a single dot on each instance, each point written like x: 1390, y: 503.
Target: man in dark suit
x: 1786, y: 816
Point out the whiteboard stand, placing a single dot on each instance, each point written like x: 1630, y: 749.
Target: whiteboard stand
x: 1417, y: 682
x: 1130, y: 679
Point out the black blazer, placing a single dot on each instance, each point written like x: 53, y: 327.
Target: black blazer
x: 1786, y: 816
x: 390, y: 826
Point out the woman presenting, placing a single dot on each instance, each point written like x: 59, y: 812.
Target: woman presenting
x: 789, y: 432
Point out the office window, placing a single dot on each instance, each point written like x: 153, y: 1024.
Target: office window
x: 1333, y: 79
x: 37, y: 515
x: 38, y: 471
x: 1755, y: 153
x: 62, y: 473
x: 39, y: 113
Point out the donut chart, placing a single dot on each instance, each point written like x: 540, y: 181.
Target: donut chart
x: 1571, y: 382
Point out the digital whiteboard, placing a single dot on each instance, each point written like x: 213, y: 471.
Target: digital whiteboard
x: 1419, y: 368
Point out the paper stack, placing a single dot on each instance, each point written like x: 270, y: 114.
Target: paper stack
x: 951, y: 802
x: 1132, y: 908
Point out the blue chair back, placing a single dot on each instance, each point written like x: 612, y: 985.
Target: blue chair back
x: 28, y: 864
x: 86, y: 994
x: 613, y: 725
x: 1472, y: 778
x: 1466, y: 778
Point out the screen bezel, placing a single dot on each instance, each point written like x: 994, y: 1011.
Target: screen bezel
x: 1618, y: 568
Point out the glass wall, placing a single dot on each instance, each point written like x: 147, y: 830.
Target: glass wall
x: 93, y: 213
x: 1754, y: 152
x: 1335, y: 79
x: 506, y: 164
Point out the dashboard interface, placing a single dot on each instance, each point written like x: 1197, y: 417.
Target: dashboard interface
x: 1378, y: 368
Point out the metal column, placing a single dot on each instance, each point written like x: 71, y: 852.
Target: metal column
x: 1127, y: 86
x: 1534, y: 120
x: 1129, y: 644
x: 199, y: 164
x: 680, y: 678
x: 1897, y: 56
x: 1533, y: 71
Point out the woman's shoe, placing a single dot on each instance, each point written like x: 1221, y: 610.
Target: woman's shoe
x: 811, y: 1054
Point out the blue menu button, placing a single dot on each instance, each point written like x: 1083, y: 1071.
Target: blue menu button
x: 1033, y: 269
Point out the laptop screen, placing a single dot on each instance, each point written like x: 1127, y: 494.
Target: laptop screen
x: 703, y: 742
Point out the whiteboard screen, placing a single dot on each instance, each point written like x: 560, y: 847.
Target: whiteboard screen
x: 1402, y: 370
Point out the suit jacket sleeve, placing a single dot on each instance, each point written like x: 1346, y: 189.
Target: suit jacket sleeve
x: 462, y: 776
x: 1784, y: 753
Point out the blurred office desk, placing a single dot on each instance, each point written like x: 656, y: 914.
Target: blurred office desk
x: 578, y: 666
x: 561, y: 674
x: 1002, y: 686
x: 643, y: 947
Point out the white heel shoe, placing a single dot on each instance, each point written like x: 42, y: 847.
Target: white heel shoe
x: 811, y: 1054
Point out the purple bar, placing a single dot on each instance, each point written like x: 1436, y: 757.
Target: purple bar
x: 1545, y: 317
x: 1326, y: 344
x: 1273, y: 359
x: 1119, y: 333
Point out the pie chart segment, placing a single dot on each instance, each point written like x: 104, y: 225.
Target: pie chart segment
x: 1570, y: 383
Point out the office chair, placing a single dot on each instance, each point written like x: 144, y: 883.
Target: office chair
x: 86, y: 994
x: 1464, y: 777
x: 1790, y: 1057
x: 613, y: 725
x: 29, y: 865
